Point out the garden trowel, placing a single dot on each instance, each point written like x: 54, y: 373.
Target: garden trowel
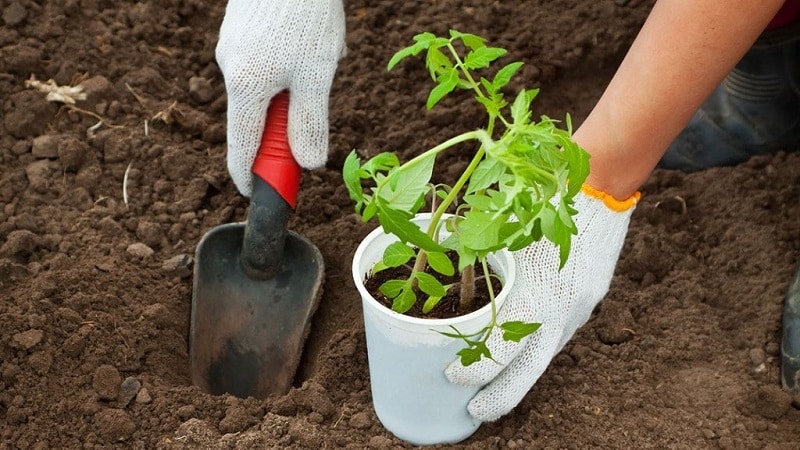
x: 256, y: 284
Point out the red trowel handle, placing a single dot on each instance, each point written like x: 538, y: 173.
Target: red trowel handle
x: 274, y: 162
x: 276, y: 178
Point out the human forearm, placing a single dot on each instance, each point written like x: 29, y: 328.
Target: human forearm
x: 681, y: 54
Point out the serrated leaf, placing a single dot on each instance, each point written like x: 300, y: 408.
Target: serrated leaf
x: 479, y: 202
x: 520, y: 109
x: 504, y: 75
x: 481, y: 57
x: 516, y: 330
x: 448, y: 81
x: 486, y: 174
x: 471, y: 355
x: 470, y: 40
x: 381, y: 162
x: 397, y: 254
x: 441, y: 263
x: 350, y: 169
x: 437, y: 63
x: 408, y: 183
x: 398, y: 223
x: 480, y: 230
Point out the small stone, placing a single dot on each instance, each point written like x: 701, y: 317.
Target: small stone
x: 27, y: 339
x: 143, y: 397
x: 140, y: 250
x: 179, y: 263
x: 129, y: 389
x: 106, y: 382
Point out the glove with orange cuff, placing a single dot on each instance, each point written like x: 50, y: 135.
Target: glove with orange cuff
x: 561, y: 300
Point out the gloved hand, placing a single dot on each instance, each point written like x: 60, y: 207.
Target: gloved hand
x: 264, y: 47
x: 561, y: 301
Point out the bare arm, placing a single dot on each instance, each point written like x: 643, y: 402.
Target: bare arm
x: 683, y: 51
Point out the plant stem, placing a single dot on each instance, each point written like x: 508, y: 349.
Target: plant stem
x: 467, y: 288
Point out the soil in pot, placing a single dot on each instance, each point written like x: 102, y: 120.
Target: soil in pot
x: 449, y: 305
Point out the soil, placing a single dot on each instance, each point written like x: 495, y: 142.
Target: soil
x: 450, y: 305
x: 98, y: 225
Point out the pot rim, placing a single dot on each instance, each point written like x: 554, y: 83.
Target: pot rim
x: 508, y: 281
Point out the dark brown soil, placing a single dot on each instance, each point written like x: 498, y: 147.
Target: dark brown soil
x: 95, y: 293
x: 448, y: 306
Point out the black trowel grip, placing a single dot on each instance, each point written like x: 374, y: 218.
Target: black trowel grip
x: 276, y: 177
x: 265, y: 232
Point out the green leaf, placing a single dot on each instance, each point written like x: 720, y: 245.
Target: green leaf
x: 428, y: 284
x: 352, y: 180
x: 430, y: 303
x: 470, y: 40
x: 421, y: 42
x: 504, y: 75
x: 381, y: 162
x: 483, y: 56
x: 398, y: 223
x: 403, y: 302
x: 408, y: 183
x: 472, y: 354
x: 520, y: 109
x: 517, y: 330
x: 378, y: 267
x: 441, y: 263
x: 486, y: 174
x: 397, y: 254
x: 479, y: 202
x: 392, y: 288
x: 480, y: 230
x: 369, y: 212
x: 448, y: 81
x: 437, y: 63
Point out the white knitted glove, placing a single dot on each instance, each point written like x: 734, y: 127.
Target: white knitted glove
x: 561, y: 301
x: 266, y: 46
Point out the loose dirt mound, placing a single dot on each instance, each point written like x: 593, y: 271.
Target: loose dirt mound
x: 98, y: 224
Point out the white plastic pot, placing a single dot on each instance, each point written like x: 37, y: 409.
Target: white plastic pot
x: 407, y: 356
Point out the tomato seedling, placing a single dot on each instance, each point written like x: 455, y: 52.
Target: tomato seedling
x: 517, y: 189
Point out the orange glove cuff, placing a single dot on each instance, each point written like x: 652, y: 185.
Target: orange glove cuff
x: 611, y: 202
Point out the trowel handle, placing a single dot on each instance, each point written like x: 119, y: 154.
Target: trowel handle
x: 275, y: 183
x: 274, y: 162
